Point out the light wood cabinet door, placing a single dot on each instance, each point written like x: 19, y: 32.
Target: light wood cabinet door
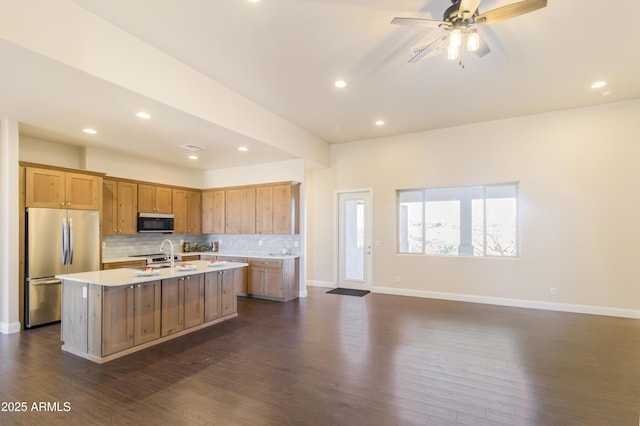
x: 164, y: 199
x: 127, y: 211
x: 83, y: 191
x: 117, y: 319
x: 109, y: 207
x: 172, y: 306
x: 119, y: 207
x: 255, y: 281
x: 273, y: 281
x: 45, y: 188
x: 147, y: 300
x: 285, y: 209
x: 240, y: 211
x: 62, y: 190
x: 146, y: 198
x: 193, y: 300
x: 264, y: 210
x: 125, y: 264
x: 229, y: 298
x: 155, y: 199
x: 179, y: 211
x: 219, y: 212
x: 212, y: 297
x: 194, y: 212
x: 187, y: 212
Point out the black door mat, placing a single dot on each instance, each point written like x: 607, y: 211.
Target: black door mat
x: 349, y: 292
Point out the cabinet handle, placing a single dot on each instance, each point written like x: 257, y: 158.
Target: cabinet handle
x: 69, y: 204
x: 130, y: 286
x: 139, y: 285
x: 62, y: 204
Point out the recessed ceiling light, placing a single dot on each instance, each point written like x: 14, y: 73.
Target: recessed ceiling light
x: 340, y: 84
x: 89, y: 131
x: 193, y: 157
x: 379, y: 123
x: 598, y: 84
x: 243, y: 149
x: 254, y: 1
x: 143, y: 114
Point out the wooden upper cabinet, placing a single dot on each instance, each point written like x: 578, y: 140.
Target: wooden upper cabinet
x: 240, y: 210
x: 179, y: 211
x: 119, y: 207
x: 194, y: 212
x: 213, y: 211
x: 264, y: 210
x: 187, y: 211
x: 277, y: 209
x: 62, y: 189
x: 155, y: 199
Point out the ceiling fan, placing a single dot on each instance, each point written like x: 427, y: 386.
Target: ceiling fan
x: 458, y: 27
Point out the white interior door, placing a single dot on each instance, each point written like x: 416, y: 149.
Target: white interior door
x: 354, y: 240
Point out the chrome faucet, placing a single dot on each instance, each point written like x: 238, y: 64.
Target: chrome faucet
x: 171, y: 246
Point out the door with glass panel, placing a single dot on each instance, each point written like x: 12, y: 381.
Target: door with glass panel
x: 354, y: 240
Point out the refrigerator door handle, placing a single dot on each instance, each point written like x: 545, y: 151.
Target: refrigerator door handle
x: 70, y: 241
x: 64, y: 241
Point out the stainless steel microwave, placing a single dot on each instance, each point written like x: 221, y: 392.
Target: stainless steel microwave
x: 155, y: 222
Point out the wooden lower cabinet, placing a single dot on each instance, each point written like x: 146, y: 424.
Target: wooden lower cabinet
x: 193, y: 300
x: 124, y: 264
x: 274, y: 279
x: 220, y: 294
x: 172, y: 305
x: 131, y: 316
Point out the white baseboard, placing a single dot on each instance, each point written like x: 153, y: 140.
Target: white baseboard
x: 9, y: 328
x: 518, y: 303
x: 328, y: 284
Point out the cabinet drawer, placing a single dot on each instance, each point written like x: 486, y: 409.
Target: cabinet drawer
x: 266, y: 263
x: 233, y: 259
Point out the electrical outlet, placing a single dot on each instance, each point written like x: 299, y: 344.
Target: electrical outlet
x: 296, y: 244
x: 552, y: 291
x: 397, y: 278
x: 260, y: 243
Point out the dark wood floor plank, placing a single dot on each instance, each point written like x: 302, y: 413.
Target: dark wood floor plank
x: 343, y: 360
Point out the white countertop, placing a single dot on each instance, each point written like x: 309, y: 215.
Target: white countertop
x: 125, y: 276
x: 207, y: 253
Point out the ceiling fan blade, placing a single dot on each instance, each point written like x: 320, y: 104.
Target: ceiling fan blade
x: 427, y: 50
x: 468, y: 8
x: 419, y: 22
x: 509, y: 11
x: 483, y: 49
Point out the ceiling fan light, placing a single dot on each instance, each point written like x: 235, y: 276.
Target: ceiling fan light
x: 473, y: 41
x: 456, y: 38
x: 452, y: 52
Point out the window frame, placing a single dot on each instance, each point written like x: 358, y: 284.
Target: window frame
x: 423, y: 196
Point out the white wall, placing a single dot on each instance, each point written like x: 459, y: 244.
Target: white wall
x: 579, y: 208
x: 9, y: 235
x: 126, y: 166
x: 46, y: 152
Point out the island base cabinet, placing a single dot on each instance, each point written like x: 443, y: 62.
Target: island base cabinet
x: 131, y: 316
x: 146, y: 307
x: 193, y: 300
x: 117, y: 319
x: 172, y: 305
x: 220, y: 294
x: 102, y: 322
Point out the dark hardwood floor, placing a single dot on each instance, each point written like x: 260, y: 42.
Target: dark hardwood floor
x: 343, y: 360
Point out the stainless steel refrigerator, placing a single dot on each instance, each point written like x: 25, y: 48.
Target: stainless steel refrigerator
x: 58, y: 242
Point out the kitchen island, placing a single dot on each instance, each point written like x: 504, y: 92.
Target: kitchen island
x: 112, y: 313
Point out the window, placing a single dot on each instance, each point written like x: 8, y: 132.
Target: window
x: 479, y: 220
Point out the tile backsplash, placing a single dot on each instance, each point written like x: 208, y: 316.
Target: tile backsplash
x: 127, y: 245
